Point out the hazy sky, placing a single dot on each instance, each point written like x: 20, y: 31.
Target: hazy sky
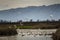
x: 7, y: 4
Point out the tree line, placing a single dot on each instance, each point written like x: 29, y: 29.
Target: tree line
x: 5, y: 21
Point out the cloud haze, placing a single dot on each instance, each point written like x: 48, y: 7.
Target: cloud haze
x: 7, y: 4
x: 32, y: 12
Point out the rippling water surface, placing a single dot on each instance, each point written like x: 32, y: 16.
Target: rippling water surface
x: 31, y: 37
x: 27, y: 37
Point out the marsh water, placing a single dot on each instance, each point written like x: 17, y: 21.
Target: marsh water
x: 26, y: 36
x: 18, y: 37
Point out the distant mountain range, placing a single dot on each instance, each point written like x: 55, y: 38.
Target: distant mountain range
x: 31, y: 12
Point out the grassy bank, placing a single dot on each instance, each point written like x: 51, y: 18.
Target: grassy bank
x: 24, y: 27
x: 7, y: 30
x: 56, y: 35
x: 39, y: 25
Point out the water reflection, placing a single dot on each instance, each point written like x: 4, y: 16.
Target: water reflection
x: 30, y: 37
x: 8, y: 38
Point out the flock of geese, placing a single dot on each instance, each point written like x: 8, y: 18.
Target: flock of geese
x: 31, y: 34
x: 34, y: 33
